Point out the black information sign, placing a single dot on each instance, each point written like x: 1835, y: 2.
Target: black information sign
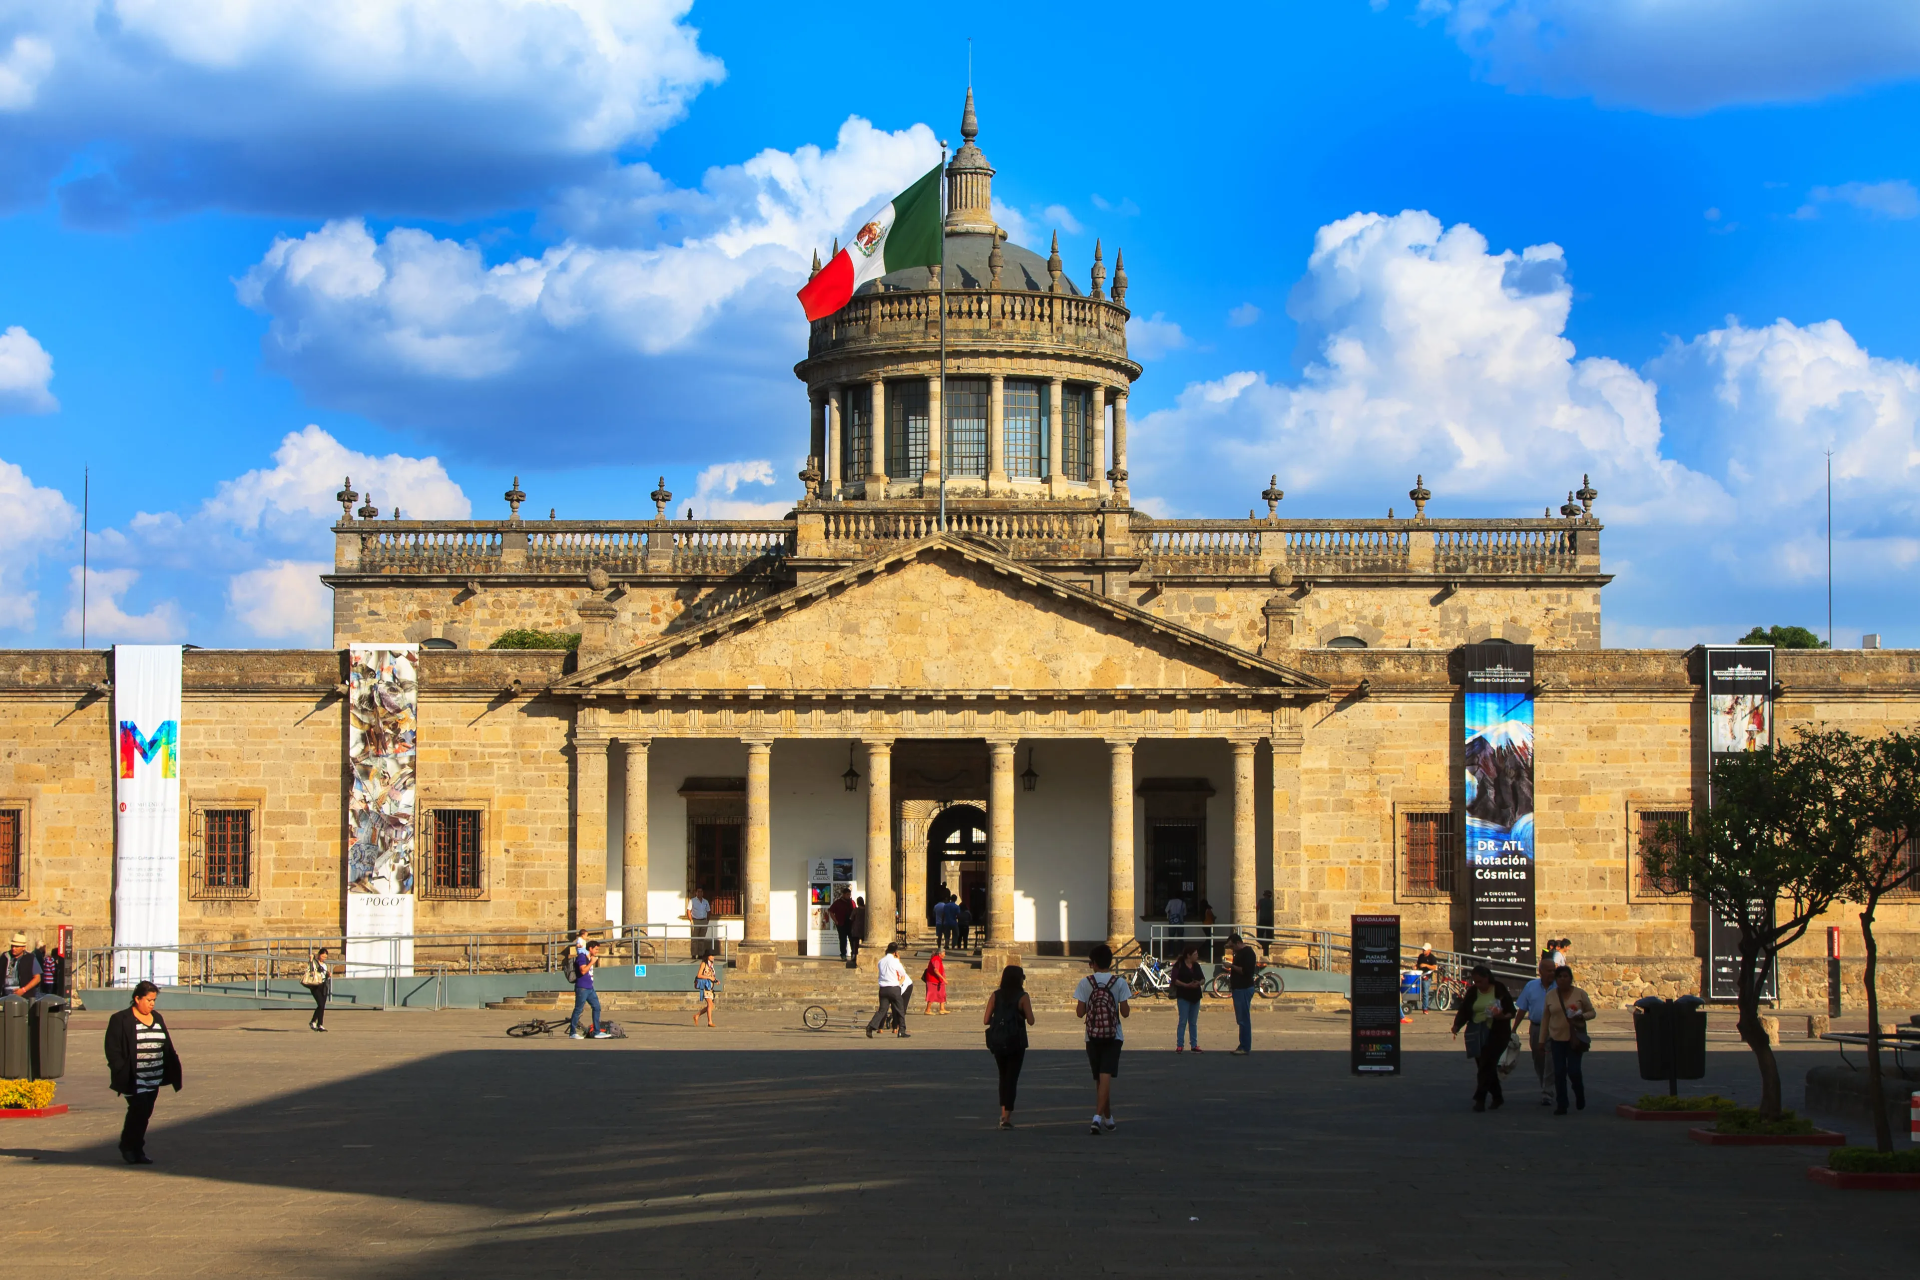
x: 1375, y: 999
x: 1499, y: 801
x: 1739, y: 682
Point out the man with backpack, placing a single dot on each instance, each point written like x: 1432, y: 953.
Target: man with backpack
x: 1101, y: 1001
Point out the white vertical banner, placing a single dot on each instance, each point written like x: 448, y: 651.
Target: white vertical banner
x: 146, y: 867
x: 382, y: 706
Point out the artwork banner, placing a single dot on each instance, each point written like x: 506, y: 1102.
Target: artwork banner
x: 146, y: 867
x: 383, y: 706
x: 1739, y: 688
x: 1499, y: 801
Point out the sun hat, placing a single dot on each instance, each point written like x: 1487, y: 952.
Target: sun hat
x: 18, y: 940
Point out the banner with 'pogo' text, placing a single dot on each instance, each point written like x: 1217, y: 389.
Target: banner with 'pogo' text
x: 146, y: 792
x: 1499, y: 801
x: 382, y: 706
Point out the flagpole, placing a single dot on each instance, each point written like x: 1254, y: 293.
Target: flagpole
x: 86, y: 523
x: 943, y: 337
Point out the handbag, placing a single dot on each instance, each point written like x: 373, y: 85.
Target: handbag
x: 315, y: 977
x: 1576, y: 1031
x: 1510, y: 1055
x: 1476, y: 1036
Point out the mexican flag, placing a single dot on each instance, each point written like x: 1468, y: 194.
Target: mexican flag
x: 904, y: 234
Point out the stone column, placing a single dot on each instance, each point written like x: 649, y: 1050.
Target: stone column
x: 1122, y: 906
x: 1098, y: 454
x: 877, y: 442
x: 997, y: 433
x: 879, y: 874
x: 1120, y: 490
x: 936, y: 430
x: 836, y: 403
x: 1289, y: 868
x: 1056, y: 478
x: 756, y: 858
x: 633, y: 866
x: 1000, y: 845
x: 817, y: 427
x: 913, y: 870
x: 1246, y: 883
x: 589, y: 832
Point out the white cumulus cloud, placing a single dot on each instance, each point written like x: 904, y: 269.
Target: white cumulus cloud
x: 1150, y: 337
x: 714, y: 490
x: 32, y: 520
x: 309, y: 467
x: 107, y: 621
x: 284, y: 600
x: 25, y: 371
x: 1684, y: 56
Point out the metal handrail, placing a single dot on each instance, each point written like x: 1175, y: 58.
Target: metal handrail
x: 1325, y: 950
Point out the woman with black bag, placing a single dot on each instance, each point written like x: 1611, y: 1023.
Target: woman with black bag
x: 1485, y: 1013
x: 319, y: 984
x: 1009, y: 1014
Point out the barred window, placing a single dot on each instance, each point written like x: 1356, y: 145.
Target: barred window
x: 713, y: 863
x: 455, y: 871
x: 1076, y: 433
x: 13, y: 856
x: 1907, y: 862
x: 967, y: 426
x: 1657, y: 828
x: 1024, y: 415
x: 907, y: 410
x: 856, y: 434
x: 1428, y: 854
x: 226, y: 853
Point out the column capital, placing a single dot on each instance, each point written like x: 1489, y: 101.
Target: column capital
x: 755, y: 746
x: 642, y: 740
x: 878, y: 740
x: 1117, y: 742
x: 1245, y: 745
x: 596, y: 743
x: 997, y: 741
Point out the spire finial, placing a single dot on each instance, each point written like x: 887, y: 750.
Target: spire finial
x: 346, y: 498
x: 969, y: 123
x: 1054, y: 265
x: 1273, y: 494
x: 1420, y: 497
x: 1120, y: 276
x: 1586, y: 493
x: 661, y: 497
x: 815, y: 269
x: 1099, y: 271
x: 514, y: 498
x: 367, y: 510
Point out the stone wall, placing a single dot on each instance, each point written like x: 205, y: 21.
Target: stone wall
x: 1400, y: 615
x: 370, y: 613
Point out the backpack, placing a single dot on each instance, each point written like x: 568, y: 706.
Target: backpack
x: 1103, y: 1011
x: 1004, y: 1031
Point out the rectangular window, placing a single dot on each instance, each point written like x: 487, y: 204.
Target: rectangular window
x: 456, y: 869
x: 856, y: 434
x: 1076, y: 433
x: 1025, y: 430
x: 967, y: 426
x: 13, y: 853
x: 907, y: 410
x: 1427, y: 855
x: 226, y: 860
x: 1907, y: 860
x: 1657, y: 826
x: 714, y: 864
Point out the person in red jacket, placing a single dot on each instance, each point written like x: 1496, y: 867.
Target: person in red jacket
x: 935, y: 976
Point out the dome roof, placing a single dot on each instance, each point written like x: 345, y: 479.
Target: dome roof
x: 967, y: 269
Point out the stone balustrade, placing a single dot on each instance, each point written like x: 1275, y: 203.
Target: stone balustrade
x: 973, y: 315
x: 1334, y: 547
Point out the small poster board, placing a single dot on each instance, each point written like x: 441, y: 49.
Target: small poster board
x: 825, y: 879
x: 1375, y: 1001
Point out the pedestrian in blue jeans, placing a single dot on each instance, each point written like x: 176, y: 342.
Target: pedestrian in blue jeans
x: 584, y: 995
x: 1244, y: 973
x: 1189, y: 982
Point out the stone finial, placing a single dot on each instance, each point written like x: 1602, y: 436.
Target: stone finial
x: 514, y: 497
x: 1054, y: 266
x: 1420, y: 497
x: 346, y: 498
x: 1273, y: 494
x: 553, y: 513
x: 597, y: 579
x: 810, y: 476
x: 836, y: 249
x: 1570, y: 509
x: 969, y: 123
x: 367, y: 510
x: 1281, y: 577
x: 1586, y: 493
x: 814, y: 270
x: 661, y: 497
x: 996, y: 261
x: 1099, y: 272
x: 1120, y: 276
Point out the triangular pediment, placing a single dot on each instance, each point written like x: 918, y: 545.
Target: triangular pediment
x: 939, y: 614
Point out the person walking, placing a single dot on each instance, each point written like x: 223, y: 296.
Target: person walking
x: 703, y: 983
x: 894, y: 986
x: 1263, y: 923
x: 140, y: 1058
x: 319, y: 984
x: 1532, y: 1004
x: 963, y: 926
x: 19, y: 971
x: 935, y: 978
x: 1243, y: 974
x: 1009, y: 1014
x: 1189, y: 982
x: 1485, y: 1012
x: 841, y: 913
x: 584, y: 995
x: 1427, y: 965
x: 943, y: 912
x: 1101, y: 1002
x: 1569, y: 1010
x: 698, y: 910
x: 857, y: 930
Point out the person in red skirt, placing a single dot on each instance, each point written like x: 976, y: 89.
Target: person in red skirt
x: 935, y: 976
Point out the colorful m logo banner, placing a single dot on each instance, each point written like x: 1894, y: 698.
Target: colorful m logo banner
x: 164, y: 743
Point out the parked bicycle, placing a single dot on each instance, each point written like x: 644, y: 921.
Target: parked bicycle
x: 1267, y: 983
x: 547, y: 1027
x: 1153, y: 977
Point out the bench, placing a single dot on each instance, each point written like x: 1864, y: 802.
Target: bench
x: 1902, y: 1041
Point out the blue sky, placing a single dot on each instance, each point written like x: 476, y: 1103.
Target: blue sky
x: 245, y: 247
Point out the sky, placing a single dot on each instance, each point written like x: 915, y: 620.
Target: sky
x: 250, y: 247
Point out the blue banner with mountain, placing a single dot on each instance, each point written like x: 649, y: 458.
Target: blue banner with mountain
x: 1498, y: 682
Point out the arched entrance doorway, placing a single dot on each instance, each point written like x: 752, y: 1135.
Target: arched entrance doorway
x: 957, y: 859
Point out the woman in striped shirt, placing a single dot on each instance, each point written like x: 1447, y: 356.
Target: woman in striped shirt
x: 140, y: 1058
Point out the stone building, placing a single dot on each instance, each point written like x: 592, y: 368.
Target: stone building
x: 1045, y: 701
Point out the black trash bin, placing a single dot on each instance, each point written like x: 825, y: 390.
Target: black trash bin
x: 49, y: 1019
x: 16, y: 1039
x: 1671, y: 1037
x: 1687, y: 1018
x: 1650, y: 1038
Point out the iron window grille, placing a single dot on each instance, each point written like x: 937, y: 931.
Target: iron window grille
x: 1428, y: 854
x: 907, y: 457
x: 1908, y: 861
x: 1076, y: 433
x: 1024, y: 429
x: 967, y: 426
x: 1658, y: 827
x: 13, y: 853
x: 856, y: 434
x: 225, y: 869
x: 456, y: 870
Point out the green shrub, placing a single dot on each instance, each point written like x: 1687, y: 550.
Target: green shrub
x: 1867, y: 1160
x: 537, y: 640
x: 29, y: 1094
x: 1667, y: 1102
x: 1748, y: 1120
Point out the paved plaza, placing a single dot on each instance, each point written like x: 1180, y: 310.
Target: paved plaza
x: 429, y: 1144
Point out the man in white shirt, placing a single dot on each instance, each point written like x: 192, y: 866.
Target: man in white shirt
x: 894, y: 985
x: 697, y: 911
x: 1176, y: 912
x: 1532, y: 1001
x: 1101, y: 1002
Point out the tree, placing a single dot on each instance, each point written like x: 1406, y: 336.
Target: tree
x: 1884, y: 865
x: 1784, y: 638
x: 1773, y: 853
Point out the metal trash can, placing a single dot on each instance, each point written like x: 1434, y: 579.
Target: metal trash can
x: 49, y: 1034
x: 1670, y: 1038
x: 1687, y: 1023
x: 16, y: 1039
x: 1650, y: 1039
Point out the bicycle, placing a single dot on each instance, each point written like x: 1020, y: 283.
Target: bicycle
x: 1267, y: 984
x: 816, y: 1018
x: 540, y: 1027
x: 1153, y: 977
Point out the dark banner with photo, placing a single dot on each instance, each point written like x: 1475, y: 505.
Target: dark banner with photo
x: 1739, y: 683
x: 1499, y: 801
